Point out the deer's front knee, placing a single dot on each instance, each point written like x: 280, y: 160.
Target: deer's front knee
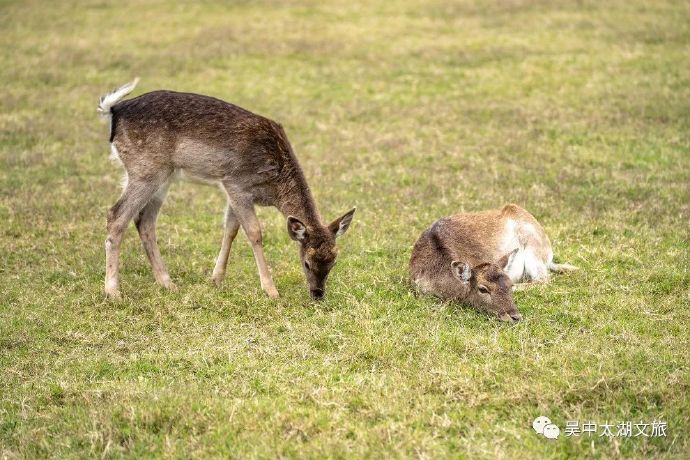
x: 254, y: 236
x: 114, y: 229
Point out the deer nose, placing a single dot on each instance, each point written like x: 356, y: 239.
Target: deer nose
x: 317, y: 294
x: 516, y: 317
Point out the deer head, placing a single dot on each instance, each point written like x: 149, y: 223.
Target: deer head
x: 318, y: 250
x: 488, y: 287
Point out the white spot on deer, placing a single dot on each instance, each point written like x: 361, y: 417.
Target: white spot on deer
x: 535, y: 268
x: 114, y: 154
x: 424, y: 285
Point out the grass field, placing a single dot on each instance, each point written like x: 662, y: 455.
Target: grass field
x: 577, y: 110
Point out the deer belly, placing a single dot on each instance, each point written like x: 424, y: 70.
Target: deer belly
x: 191, y: 176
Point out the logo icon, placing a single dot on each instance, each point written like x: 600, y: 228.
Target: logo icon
x: 542, y: 425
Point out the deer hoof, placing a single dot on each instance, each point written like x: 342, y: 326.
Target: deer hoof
x: 165, y: 281
x: 169, y: 285
x: 113, y: 294
x: 217, y: 280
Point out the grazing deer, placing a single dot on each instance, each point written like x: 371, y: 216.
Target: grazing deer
x: 162, y: 135
x: 476, y: 258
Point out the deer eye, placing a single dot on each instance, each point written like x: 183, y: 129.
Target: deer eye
x: 306, y: 265
x: 483, y: 290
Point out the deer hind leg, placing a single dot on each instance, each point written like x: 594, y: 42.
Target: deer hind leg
x: 136, y: 195
x: 535, y: 272
x: 145, y: 222
x: 535, y: 268
x: 516, y: 266
x: 231, y: 227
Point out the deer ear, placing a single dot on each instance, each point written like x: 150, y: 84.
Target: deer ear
x: 461, y: 270
x: 296, y: 229
x: 342, y: 223
x: 505, y: 261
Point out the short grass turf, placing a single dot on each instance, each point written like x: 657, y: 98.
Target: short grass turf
x: 578, y: 111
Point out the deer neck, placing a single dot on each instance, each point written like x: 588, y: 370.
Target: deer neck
x: 295, y: 199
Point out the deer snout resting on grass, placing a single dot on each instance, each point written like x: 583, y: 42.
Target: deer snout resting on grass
x: 163, y: 135
x: 476, y: 257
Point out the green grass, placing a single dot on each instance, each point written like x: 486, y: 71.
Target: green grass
x: 411, y: 111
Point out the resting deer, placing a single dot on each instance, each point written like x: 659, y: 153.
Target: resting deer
x: 162, y: 135
x: 476, y: 257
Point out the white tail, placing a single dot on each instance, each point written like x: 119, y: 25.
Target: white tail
x: 112, y: 98
x: 561, y: 268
